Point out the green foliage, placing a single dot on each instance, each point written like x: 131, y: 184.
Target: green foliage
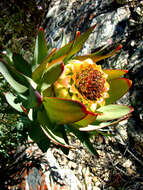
x: 47, y: 114
x: 12, y: 133
x: 12, y: 126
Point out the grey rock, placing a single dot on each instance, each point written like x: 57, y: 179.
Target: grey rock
x: 75, y: 15
x: 62, y: 175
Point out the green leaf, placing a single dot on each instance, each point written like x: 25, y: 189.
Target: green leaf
x: 30, y: 115
x: 51, y: 75
x: 79, y: 42
x: 38, y: 136
x: 41, y: 49
x: 56, y: 136
x: 53, y: 132
x: 90, y: 118
x: 103, y: 53
x: 38, y: 72
x: 11, y: 100
x: 112, y: 111
x: 114, y: 73
x: 12, y: 77
x: 43, y: 118
x: 34, y: 98
x: 49, y: 92
x: 118, y: 87
x: 62, y: 52
x: 103, y: 133
x: 97, y: 125
x: 21, y: 65
x: 63, y: 111
x: 72, y: 47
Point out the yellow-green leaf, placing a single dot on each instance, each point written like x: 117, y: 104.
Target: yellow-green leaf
x: 114, y: 73
x: 38, y: 72
x: 64, y: 111
x: 118, y: 87
x: 90, y: 118
x: 96, y: 126
x: 79, y: 42
x: 56, y: 136
x: 22, y: 65
x: 103, y: 53
x: 11, y: 100
x: 51, y: 75
x: 38, y: 136
x: 13, y: 77
x: 111, y: 112
x: 41, y: 49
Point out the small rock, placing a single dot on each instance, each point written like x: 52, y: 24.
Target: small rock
x: 127, y: 164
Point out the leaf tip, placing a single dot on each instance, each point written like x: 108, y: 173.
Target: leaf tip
x: 62, y: 67
x: 129, y: 82
x: 24, y: 109
x: 118, y: 48
x: 131, y: 109
x: 39, y: 98
x: 125, y: 71
x: 77, y: 33
x: 94, y: 26
x: 41, y: 29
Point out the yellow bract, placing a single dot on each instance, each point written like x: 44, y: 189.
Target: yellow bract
x: 83, y: 81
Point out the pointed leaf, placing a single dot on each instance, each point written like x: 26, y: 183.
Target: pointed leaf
x: 11, y: 75
x: 79, y: 42
x: 63, y: 111
x: 11, y: 100
x: 56, y: 136
x: 103, y: 53
x: 22, y: 65
x: 62, y: 52
x: 49, y: 129
x: 38, y: 72
x: 41, y: 50
x: 49, y: 92
x: 34, y: 98
x: 38, y: 136
x: 51, y: 75
x: 30, y: 115
x: 112, y: 111
x: 72, y: 47
x: 118, y: 87
x: 43, y: 119
x: 114, y: 73
x: 23, y: 101
x: 90, y: 118
x: 97, y: 125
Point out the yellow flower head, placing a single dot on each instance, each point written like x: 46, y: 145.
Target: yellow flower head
x: 83, y: 81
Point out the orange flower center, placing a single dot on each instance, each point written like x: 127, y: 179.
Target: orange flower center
x: 90, y: 83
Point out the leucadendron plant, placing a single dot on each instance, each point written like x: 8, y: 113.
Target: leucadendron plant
x: 61, y: 92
